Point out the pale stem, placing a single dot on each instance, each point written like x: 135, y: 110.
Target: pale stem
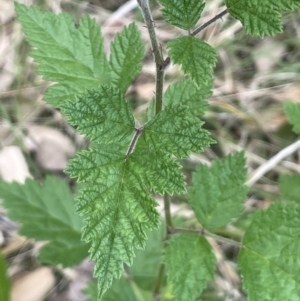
x: 270, y: 164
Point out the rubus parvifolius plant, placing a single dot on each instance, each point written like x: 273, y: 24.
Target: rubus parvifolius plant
x: 127, y: 162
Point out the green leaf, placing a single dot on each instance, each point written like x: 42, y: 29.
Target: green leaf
x: 121, y: 290
x: 47, y: 213
x: 186, y: 93
x: 127, y: 52
x: 260, y: 18
x: 270, y: 258
x: 190, y: 265
x: 151, y: 110
x: 293, y: 112
x: 289, y: 186
x: 4, y: 280
x: 177, y: 131
x: 146, y: 264
x: 196, y: 58
x: 73, y: 57
x: 117, y: 207
x: 218, y: 191
x: 101, y: 113
x: 182, y: 13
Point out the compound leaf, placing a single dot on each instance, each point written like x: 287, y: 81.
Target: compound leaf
x: 187, y: 93
x: 182, y: 13
x: 127, y: 52
x: 73, y: 57
x: 47, y: 213
x: 176, y: 131
x: 117, y: 207
x: 293, y: 112
x: 260, y: 18
x: 4, y: 280
x: 289, y: 186
x: 269, y: 260
x: 218, y: 191
x: 101, y: 113
x: 196, y: 58
x: 190, y: 265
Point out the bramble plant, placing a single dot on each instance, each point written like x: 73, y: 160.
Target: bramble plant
x: 127, y: 162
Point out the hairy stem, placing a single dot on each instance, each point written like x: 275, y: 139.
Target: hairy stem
x: 211, y: 21
x: 159, y: 282
x: 156, y: 49
x: 168, y: 216
x: 208, y: 234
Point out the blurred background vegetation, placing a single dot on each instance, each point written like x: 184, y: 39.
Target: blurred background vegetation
x: 253, y: 78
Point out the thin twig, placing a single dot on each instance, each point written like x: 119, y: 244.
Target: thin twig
x: 211, y: 21
x: 267, y: 166
x: 204, y: 232
x: 159, y: 281
x: 168, y: 216
x: 120, y: 12
x: 134, y: 141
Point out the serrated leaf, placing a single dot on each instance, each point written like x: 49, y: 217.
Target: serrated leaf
x: 270, y: 257
x: 4, y: 281
x: 186, y: 93
x: 73, y: 57
x: 127, y: 52
x: 260, y: 18
x: 117, y: 206
x: 47, y: 213
x: 177, y: 131
x: 293, y: 112
x: 182, y: 13
x: 196, y: 58
x: 289, y: 186
x: 218, y: 191
x: 190, y: 265
x: 101, y: 113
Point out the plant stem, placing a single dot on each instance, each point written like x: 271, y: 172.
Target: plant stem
x: 208, y: 234
x: 159, y: 282
x: 156, y: 49
x: 211, y: 21
x: 168, y: 217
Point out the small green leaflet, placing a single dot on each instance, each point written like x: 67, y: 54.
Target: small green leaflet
x: 101, y: 113
x: 289, y: 186
x: 270, y: 258
x: 196, y: 58
x: 182, y: 13
x: 190, y: 264
x: 47, y: 213
x: 292, y: 110
x: 121, y: 170
x: 218, y: 191
x: 75, y: 57
x: 186, y: 93
x: 260, y: 18
x: 127, y: 52
x: 4, y: 281
x: 177, y: 131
